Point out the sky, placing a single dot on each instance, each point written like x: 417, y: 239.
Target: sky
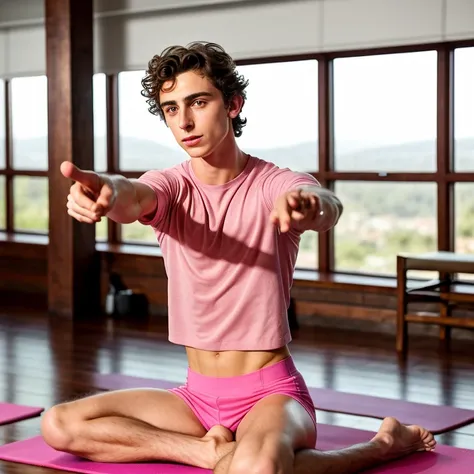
x: 374, y: 105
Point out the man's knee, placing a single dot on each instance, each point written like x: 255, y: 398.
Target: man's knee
x: 57, y: 428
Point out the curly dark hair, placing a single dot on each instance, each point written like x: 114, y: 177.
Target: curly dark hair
x: 210, y: 59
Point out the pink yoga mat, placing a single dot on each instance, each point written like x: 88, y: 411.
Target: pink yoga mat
x: 437, y: 419
x: 9, y: 412
x: 446, y: 460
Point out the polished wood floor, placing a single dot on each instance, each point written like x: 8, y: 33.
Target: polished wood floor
x: 44, y: 361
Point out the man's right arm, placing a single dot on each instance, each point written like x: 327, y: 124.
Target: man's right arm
x: 95, y: 195
x: 133, y: 200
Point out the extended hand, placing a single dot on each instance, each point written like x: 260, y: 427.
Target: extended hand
x: 91, y: 196
x: 299, y: 207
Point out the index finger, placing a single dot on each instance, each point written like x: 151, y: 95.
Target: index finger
x: 90, y: 179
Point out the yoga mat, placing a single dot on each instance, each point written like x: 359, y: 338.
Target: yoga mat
x: 445, y: 460
x: 435, y: 418
x: 9, y: 412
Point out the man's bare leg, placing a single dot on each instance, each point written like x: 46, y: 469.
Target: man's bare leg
x: 278, y: 427
x: 134, y: 426
x: 392, y: 441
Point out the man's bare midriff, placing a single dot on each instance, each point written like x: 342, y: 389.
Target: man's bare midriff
x: 232, y: 363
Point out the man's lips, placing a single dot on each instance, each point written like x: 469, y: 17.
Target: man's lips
x: 192, y: 140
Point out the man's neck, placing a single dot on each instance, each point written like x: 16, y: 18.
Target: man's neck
x: 222, y: 166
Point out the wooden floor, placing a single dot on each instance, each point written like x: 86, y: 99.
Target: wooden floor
x: 45, y: 361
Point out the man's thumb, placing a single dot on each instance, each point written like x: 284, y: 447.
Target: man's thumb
x: 106, y: 198
x: 89, y: 179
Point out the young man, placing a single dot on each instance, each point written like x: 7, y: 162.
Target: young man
x: 229, y: 225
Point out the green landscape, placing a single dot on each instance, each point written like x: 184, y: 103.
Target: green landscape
x: 379, y: 220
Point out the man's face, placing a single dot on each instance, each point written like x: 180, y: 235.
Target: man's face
x: 194, y: 110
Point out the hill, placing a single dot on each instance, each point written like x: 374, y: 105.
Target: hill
x: 139, y: 154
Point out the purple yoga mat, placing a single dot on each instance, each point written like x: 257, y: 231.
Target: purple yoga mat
x: 9, y: 412
x: 435, y: 418
x: 445, y: 460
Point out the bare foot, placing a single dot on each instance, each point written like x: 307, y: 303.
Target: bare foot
x: 221, y: 441
x: 401, y: 440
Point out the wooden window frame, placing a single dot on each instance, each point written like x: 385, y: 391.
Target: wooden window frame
x: 444, y: 177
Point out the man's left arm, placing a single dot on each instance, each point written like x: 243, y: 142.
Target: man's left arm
x: 307, y: 207
x: 323, y: 213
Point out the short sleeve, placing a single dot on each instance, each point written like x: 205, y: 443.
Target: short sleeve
x: 166, y: 187
x: 282, y: 180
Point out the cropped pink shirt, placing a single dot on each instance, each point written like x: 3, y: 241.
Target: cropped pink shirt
x: 229, y: 269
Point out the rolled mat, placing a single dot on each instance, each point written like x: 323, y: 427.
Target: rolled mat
x: 445, y: 460
x: 435, y: 418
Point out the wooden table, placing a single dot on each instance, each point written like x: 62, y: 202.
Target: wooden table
x: 446, y: 291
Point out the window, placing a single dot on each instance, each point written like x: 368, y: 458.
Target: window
x: 138, y: 233
x: 385, y: 121
x: 464, y: 212
x: 31, y: 203
x: 3, y: 204
x: 282, y: 113
x: 382, y: 219
x: 2, y: 124
x: 145, y: 141
x: 464, y: 221
x: 30, y: 123
x: 385, y: 112
x: 101, y: 229
x: 100, y: 123
x: 464, y: 109
x: 308, y: 253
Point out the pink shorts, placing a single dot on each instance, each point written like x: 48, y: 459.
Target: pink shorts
x: 225, y: 401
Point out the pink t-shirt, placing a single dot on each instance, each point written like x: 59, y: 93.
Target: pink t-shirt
x: 229, y: 268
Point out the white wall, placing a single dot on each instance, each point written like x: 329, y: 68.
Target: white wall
x: 129, y: 32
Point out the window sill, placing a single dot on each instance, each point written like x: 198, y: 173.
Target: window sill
x: 37, y: 239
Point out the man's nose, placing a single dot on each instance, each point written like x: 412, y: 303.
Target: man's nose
x: 185, y: 120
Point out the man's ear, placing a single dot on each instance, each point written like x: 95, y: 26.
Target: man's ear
x: 235, y: 106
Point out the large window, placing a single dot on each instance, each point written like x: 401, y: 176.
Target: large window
x: 385, y: 112
x: 464, y: 217
x: 30, y: 197
x: 385, y: 121
x: 464, y: 109
x: 138, y: 233
x: 30, y: 123
x: 382, y: 219
x: 381, y: 123
x: 26, y: 175
x: 464, y: 221
x: 28, y: 162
